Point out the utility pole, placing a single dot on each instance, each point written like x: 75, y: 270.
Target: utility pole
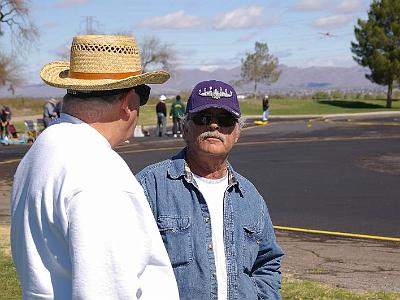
x: 89, y: 22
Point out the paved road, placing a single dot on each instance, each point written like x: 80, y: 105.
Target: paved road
x: 337, y: 174
x: 334, y: 176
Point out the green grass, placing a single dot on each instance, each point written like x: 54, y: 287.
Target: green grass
x: 310, y: 106
x: 296, y: 289
x: 9, y: 284
x: 29, y: 107
x: 24, y: 106
x: 292, y: 288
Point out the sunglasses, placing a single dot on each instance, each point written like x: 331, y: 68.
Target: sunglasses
x: 144, y: 92
x: 222, y: 119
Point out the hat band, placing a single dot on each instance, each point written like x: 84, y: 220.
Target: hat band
x: 82, y: 75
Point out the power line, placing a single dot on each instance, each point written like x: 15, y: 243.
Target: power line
x: 91, y: 25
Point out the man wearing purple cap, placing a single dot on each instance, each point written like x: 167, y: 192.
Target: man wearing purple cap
x: 214, y: 224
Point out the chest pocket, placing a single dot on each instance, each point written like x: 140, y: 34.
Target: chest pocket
x: 175, y: 232
x: 252, y: 237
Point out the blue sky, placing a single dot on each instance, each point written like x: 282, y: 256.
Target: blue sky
x: 206, y: 34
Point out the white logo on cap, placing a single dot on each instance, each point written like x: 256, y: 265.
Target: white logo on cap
x: 215, y: 94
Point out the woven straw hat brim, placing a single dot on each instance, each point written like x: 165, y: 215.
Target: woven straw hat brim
x: 56, y: 74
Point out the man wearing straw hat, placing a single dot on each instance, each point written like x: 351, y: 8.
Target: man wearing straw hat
x: 81, y: 227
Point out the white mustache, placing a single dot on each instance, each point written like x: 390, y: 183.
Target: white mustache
x: 212, y: 134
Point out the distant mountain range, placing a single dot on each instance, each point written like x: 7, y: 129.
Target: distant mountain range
x: 292, y: 80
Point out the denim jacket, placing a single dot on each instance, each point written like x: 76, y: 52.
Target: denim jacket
x: 252, y: 255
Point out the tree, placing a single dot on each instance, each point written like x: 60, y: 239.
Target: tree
x: 10, y: 71
x: 378, y: 44
x: 260, y: 67
x: 156, y: 54
x: 14, y: 17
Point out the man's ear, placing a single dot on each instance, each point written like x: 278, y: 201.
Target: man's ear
x: 125, y: 106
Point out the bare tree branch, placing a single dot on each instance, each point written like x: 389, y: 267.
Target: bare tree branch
x: 156, y: 54
x: 10, y: 70
x: 15, y: 18
x: 15, y: 14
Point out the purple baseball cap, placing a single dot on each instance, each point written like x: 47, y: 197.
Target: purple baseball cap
x: 213, y: 93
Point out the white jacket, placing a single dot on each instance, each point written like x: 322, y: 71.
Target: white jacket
x: 81, y: 227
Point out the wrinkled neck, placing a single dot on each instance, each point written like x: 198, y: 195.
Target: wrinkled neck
x: 208, y: 166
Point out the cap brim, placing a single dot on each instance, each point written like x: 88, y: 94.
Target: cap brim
x: 56, y: 74
x: 215, y: 105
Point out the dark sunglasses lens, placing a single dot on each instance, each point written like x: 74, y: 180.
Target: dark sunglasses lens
x: 224, y: 120
x: 201, y: 119
x: 144, y: 92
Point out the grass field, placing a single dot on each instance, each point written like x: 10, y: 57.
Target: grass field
x: 292, y: 288
x: 29, y: 107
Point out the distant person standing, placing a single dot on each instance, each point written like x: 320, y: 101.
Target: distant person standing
x: 50, y: 111
x: 161, y: 110
x: 5, y: 120
x: 177, y: 113
x: 265, y: 104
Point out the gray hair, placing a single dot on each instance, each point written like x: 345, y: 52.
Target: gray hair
x: 90, y: 108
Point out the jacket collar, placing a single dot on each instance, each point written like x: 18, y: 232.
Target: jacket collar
x: 179, y: 168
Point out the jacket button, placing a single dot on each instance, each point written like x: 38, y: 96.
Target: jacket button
x: 206, y: 220
x: 210, y: 246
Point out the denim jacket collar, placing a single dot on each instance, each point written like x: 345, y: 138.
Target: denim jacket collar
x: 179, y: 168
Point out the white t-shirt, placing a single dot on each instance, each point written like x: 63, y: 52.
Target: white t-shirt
x: 213, y: 191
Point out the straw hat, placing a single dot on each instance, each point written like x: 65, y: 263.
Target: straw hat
x: 99, y: 63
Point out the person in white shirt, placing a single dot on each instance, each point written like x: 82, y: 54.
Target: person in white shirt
x: 81, y: 226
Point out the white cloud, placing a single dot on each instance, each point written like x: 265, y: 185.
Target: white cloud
x: 209, y: 68
x: 185, y: 56
x: 248, y: 17
x: 310, y: 5
x: 176, y: 20
x: 227, y: 62
x: 332, y: 21
x: 349, y: 6
x: 64, y: 3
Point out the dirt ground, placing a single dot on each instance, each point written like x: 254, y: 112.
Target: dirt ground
x: 342, y: 262
x: 5, y: 188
